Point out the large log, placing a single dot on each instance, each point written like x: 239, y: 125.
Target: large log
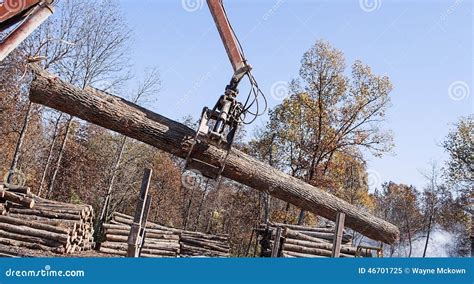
x: 328, y: 247
x: 63, y: 238
x: 34, y: 225
x: 129, y: 119
x: 300, y: 227
x: 18, y: 199
x: 46, y: 213
x: 32, y: 239
x: 30, y: 245
x: 311, y: 250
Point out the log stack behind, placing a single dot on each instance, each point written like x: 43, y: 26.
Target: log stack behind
x: 163, y: 241
x: 302, y: 241
x: 158, y: 243
x: 46, y: 228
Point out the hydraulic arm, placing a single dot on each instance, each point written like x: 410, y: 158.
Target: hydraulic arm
x: 219, y: 125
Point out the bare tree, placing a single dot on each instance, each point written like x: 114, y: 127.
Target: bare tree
x: 85, y: 43
x: 145, y: 89
x: 431, y: 200
x: 50, y: 154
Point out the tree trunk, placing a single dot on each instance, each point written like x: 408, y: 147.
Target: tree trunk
x: 105, y: 206
x: 196, y: 224
x: 136, y: 122
x: 50, y: 154
x: 301, y: 217
x: 60, y: 156
x: 427, y: 235
x: 19, y: 143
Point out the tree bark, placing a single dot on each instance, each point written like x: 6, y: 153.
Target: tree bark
x: 119, y: 115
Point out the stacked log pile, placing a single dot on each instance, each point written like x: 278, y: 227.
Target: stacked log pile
x: 162, y: 241
x: 45, y: 228
x: 302, y: 241
x: 200, y: 244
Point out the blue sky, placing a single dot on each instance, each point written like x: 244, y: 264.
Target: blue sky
x: 425, y: 47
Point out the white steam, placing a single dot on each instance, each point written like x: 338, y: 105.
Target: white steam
x: 440, y: 244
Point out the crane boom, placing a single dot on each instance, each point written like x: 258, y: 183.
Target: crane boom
x: 27, y: 15
x: 227, y: 35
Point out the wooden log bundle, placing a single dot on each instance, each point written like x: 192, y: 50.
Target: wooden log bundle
x: 162, y: 241
x: 124, y: 117
x: 51, y: 227
x: 301, y: 241
x: 11, y: 195
x: 158, y: 243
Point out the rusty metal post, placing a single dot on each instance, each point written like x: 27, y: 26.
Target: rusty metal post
x: 276, y: 243
x: 338, y: 232
x: 133, y: 238
x: 142, y: 233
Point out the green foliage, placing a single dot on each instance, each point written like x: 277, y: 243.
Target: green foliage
x: 327, y: 113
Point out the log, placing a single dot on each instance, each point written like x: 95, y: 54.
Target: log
x: 2, y: 254
x: 308, y: 250
x: 222, y: 244
x: 200, y: 235
x: 297, y: 235
x: 30, y: 245
x: 33, y: 224
x: 18, y: 199
x: 116, y: 227
x: 206, y: 245
x: 118, y: 252
x: 12, y: 251
x: 198, y: 251
x: 301, y: 228
x: 128, y: 220
x: 129, y: 119
x: 123, y: 239
x: 162, y: 247
x: 16, y: 188
x: 72, y: 224
x: 328, y: 247
x: 31, y: 239
x: 327, y: 236
x: 63, y: 238
x: 46, y: 213
x: 297, y: 254
x: 149, y: 235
